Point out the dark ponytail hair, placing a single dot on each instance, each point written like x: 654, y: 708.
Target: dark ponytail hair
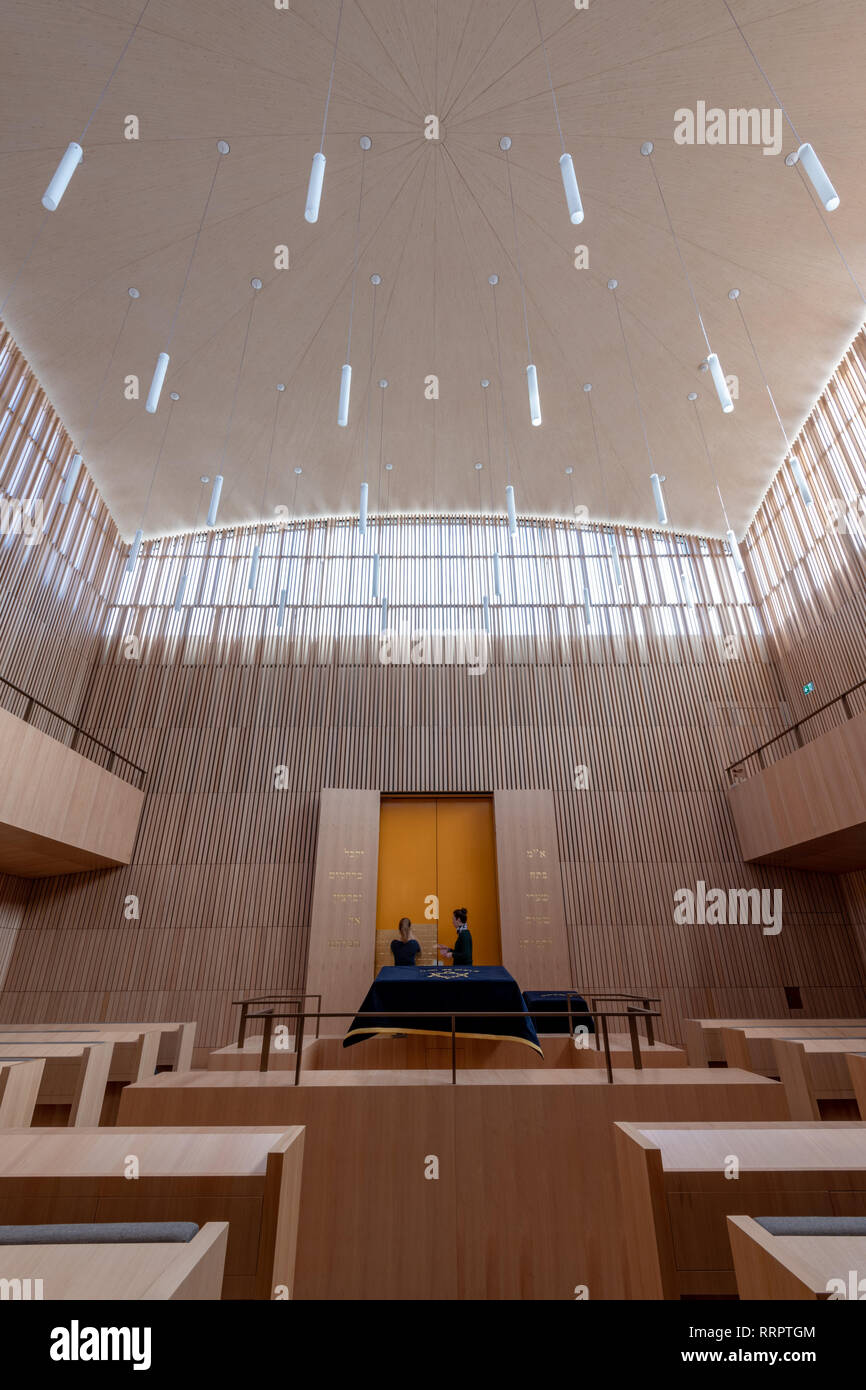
x: 461, y: 914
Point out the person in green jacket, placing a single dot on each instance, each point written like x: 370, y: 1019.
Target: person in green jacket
x: 462, y: 951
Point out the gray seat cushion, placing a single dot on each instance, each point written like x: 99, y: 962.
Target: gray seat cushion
x: 813, y: 1225
x: 100, y: 1233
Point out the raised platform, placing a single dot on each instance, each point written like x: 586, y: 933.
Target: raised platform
x: 431, y: 1053
x: 503, y: 1186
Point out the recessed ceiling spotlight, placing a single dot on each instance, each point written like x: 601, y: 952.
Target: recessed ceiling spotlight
x: 792, y: 159
x: 612, y: 284
x: 299, y: 470
x: 383, y: 383
x: 733, y: 294
x: 588, y: 386
x: 704, y: 367
x: 281, y: 386
x: 693, y: 395
x: 134, y: 293
x: 485, y: 383
x: 204, y: 479
x: 256, y: 282
x: 478, y: 467
x: 388, y: 467
x: 568, y: 472
x: 505, y: 142
x: 646, y: 147
x: 365, y: 142
x: 493, y: 279
x: 223, y: 146
x: 375, y: 279
x: 175, y: 396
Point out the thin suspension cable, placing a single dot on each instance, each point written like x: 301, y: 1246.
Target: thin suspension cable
x: 156, y: 465
x: 710, y: 464
x: 763, y: 376
x: 98, y: 397
x: 280, y: 395
x: 331, y: 78
x: 113, y: 71
x: 549, y: 78
x: 381, y: 445
x: 192, y: 254
x: 680, y: 254
x: 775, y: 94
x: 501, y: 388
x: 633, y: 381
x: 24, y: 263
x: 517, y: 247
x: 369, y: 385
x: 238, y: 380
x: 601, y: 476
x: 355, y: 260
x: 820, y: 211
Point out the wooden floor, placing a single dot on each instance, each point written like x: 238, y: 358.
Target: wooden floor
x: 526, y: 1201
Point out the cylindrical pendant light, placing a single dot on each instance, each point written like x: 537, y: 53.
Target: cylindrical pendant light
x: 572, y: 192
x: 214, y: 500
x: 587, y: 608
x: 69, y: 162
x: 534, y: 402
x: 71, y: 479
x: 735, y: 551
x: 133, y: 551
x: 800, y: 480
x: 281, y: 611
x: 509, y: 507
x: 818, y: 177
x: 661, y: 509
x: 314, y: 189
x: 156, y: 384
x: 362, y: 512
x: 181, y: 590
x: 720, y: 383
x: 485, y: 613
x: 375, y: 576
x: 254, y: 567
x: 345, y: 391
x: 611, y: 545
x: 384, y: 614
x: 497, y: 575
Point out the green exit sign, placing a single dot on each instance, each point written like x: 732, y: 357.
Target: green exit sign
x: 807, y: 689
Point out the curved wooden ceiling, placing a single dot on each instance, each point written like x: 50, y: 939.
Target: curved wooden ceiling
x: 435, y: 221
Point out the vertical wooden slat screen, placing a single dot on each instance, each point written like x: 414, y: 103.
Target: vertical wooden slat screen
x: 653, y: 700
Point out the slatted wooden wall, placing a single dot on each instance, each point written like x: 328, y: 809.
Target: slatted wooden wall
x: 670, y: 681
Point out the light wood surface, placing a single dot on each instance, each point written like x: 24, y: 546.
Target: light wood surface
x: 754, y: 1048
x: 341, y: 957
x: 676, y: 1194
x: 165, y: 1270
x: 75, y: 1074
x: 857, y: 1072
x: 59, y: 812
x: 809, y: 809
x: 816, y: 1070
x: 20, y: 1080
x: 488, y: 1226
x: 249, y: 1177
x: 175, y: 1041
x: 703, y: 1036
x: 792, y: 1267
x: 133, y: 1053
x: 535, y: 944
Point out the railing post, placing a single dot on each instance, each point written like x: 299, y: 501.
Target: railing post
x: 846, y: 705
x: 28, y: 710
x: 760, y: 757
x: 266, y: 1040
x: 606, y: 1048
x: 570, y: 1020
x: 798, y: 736
x: 648, y: 1024
x: 318, y: 999
x: 453, y: 1052
x: 299, y: 1042
x: 635, y: 1041
x: 242, y: 1031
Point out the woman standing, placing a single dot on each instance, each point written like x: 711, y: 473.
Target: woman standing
x: 461, y: 953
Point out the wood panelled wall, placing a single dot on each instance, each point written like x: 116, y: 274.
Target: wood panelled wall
x: 652, y: 700
x: 54, y: 589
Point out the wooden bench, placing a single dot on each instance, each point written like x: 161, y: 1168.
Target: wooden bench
x: 134, y: 1051
x: 20, y: 1079
x: 815, y: 1069
x: 753, y: 1049
x: 175, y: 1046
x: 249, y: 1177
x: 165, y: 1270
x: 789, y: 1267
x: 676, y: 1196
x: 74, y: 1074
x: 703, y: 1036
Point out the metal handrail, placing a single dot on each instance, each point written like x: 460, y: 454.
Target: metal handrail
x: 641, y: 999
x: 600, y: 1014
x: 795, y: 730
x: 290, y: 997
x: 76, y: 728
